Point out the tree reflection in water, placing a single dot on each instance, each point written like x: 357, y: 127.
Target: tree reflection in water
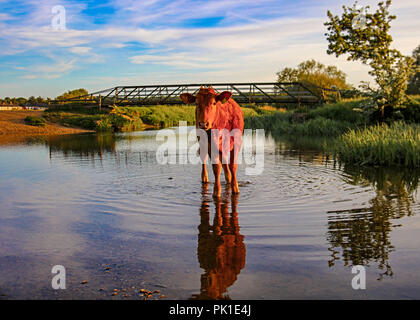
x: 221, y: 249
x: 363, y: 235
x: 82, y: 145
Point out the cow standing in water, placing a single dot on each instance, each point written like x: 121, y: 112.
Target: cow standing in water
x: 222, y: 121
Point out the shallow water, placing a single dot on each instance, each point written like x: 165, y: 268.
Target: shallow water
x: 101, y: 206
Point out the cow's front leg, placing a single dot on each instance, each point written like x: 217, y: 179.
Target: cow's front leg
x: 203, y: 156
x: 217, y: 170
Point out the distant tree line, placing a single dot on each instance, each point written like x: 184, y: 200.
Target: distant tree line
x: 40, y: 100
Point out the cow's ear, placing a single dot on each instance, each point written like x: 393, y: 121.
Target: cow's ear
x: 224, y: 96
x: 187, y: 98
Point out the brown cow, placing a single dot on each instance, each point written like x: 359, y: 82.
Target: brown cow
x: 220, y: 117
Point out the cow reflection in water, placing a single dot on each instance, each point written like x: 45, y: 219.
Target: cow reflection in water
x: 221, y: 249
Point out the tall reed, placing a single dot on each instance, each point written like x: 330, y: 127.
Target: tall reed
x: 397, y: 144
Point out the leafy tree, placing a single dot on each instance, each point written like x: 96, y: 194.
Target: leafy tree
x: 315, y: 73
x: 72, y: 94
x: 414, y: 82
x: 40, y: 100
x: 32, y: 100
x: 369, y: 42
x: 21, y: 101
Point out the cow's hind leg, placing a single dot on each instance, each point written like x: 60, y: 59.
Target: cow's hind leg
x: 217, y: 170
x: 204, y: 174
x: 233, y: 167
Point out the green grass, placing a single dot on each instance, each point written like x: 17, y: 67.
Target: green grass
x: 160, y: 116
x: 35, y: 121
x: 126, y: 118
x: 397, y: 144
x: 168, y: 116
x: 327, y: 120
x: 346, y: 111
x: 98, y: 122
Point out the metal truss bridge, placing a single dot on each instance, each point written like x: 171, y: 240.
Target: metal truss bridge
x: 263, y: 92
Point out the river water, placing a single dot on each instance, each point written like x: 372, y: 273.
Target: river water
x: 103, y: 207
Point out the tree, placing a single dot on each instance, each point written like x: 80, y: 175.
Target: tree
x: 316, y: 74
x: 32, y: 100
x: 40, y: 100
x: 369, y: 42
x: 414, y: 82
x: 72, y: 94
x: 21, y: 101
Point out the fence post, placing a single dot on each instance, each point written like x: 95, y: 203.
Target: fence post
x: 116, y: 95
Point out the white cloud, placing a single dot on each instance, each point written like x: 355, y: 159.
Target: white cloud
x: 80, y: 50
x: 29, y: 76
x: 51, y: 71
x: 115, y: 45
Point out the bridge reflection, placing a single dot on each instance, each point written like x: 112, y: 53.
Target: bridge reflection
x: 221, y: 249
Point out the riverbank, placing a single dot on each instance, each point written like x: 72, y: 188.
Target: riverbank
x: 13, y: 122
x: 13, y: 127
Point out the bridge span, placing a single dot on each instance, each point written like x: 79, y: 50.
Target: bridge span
x: 259, y: 92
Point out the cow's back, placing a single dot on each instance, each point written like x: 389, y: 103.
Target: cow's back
x: 230, y: 116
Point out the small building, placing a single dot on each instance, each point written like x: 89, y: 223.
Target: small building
x: 4, y: 107
x: 11, y: 107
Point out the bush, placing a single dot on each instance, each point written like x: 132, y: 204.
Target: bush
x: 346, y: 110
x: 411, y: 112
x: 35, y: 121
x: 327, y: 120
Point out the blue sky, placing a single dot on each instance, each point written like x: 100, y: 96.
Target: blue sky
x: 127, y: 42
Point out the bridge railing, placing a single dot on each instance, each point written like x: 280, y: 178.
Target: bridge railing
x: 263, y: 92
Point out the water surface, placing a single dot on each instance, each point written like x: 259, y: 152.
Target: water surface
x: 101, y: 206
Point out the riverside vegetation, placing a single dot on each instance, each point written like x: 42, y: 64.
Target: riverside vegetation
x: 126, y: 118
x: 360, y: 135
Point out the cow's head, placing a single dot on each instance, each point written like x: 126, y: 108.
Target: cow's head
x: 206, y: 101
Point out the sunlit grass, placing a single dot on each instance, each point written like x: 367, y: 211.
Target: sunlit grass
x: 397, y: 144
x: 327, y: 120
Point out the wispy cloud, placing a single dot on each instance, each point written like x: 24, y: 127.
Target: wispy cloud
x: 51, y: 71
